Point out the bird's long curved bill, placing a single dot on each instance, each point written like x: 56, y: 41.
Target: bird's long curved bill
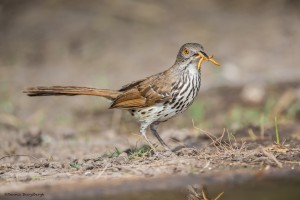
x: 204, y: 57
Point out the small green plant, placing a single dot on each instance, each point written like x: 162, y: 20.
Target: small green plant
x: 276, y: 131
x: 110, y: 154
x: 114, y: 153
x: 36, y: 177
x: 75, y: 165
x: 194, y: 171
x: 140, y: 152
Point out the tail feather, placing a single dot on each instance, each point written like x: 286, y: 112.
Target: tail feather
x: 71, y: 91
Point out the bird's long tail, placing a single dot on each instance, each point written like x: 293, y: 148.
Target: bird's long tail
x: 71, y: 91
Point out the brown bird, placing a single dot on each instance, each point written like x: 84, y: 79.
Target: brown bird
x: 154, y: 99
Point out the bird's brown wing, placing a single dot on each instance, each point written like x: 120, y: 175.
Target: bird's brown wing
x: 143, y: 93
x: 131, y: 85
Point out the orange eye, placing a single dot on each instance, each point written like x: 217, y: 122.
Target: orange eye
x: 185, y: 51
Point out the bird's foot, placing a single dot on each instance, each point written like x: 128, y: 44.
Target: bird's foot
x: 154, y: 149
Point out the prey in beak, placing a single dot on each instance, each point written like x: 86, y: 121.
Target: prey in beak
x: 204, y: 57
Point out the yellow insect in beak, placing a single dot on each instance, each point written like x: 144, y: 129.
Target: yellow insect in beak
x: 203, y: 56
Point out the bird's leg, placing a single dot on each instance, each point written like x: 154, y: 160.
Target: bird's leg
x: 143, y: 133
x: 153, y: 128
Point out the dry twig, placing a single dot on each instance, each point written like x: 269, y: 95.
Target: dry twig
x: 270, y: 156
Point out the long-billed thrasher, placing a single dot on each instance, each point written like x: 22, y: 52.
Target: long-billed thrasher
x: 154, y: 99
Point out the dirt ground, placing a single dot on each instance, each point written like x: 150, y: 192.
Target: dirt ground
x: 230, y: 128
x: 250, y: 155
x: 47, y: 156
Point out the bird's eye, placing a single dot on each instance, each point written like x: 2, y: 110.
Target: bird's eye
x: 186, y: 51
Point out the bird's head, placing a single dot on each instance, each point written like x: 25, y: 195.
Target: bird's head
x: 193, y: 52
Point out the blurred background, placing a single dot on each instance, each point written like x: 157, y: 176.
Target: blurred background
x: 107, y: 44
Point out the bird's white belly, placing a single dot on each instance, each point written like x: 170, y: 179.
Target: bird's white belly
x: 163, y: 111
